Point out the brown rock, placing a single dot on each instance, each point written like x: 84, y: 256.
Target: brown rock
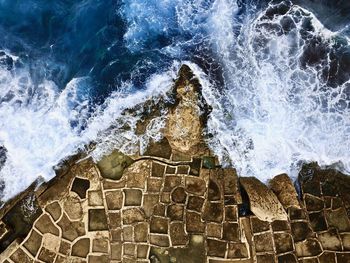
x: 308, y: 248
x: 283, y: 242
x: 65, y: 247
x: 100, y: 245
x: 175, y: 212
x: 259, y: 225
x: 178, y: 235
x: 157, y: 169
x: 72, y: 207
x: 338, y: 219
x: 171, y: 181
x: 159, y: 240
x: 214, y: 230
x: 285, y: 191
x: 99, y: 259
x: 154, y: 185
x: 318, y: 221
x: 115, y: 220
x: 263, y: 242
x: 133, y: 215
x: 97, y: 220
x: 214, y: 192
x: 19, y: 256
x: 54, y: 209
x: 184, y: 125
x: 80, y: 186
x: 149, y: 201
x: 95, y: 198
x: 128, y: 233
x: 237, y: 250
x: 194, y: 223
x: 160, y: 148
x: 195, y: 203
x: 343, y: 257
x: 32, y: 244
x: 81, y: 248
x: 267, y: 258
x: 116, y: 251
x: 129, y: 249
x: 195, y: 185
x: 327, y: 257
x: 179, y: 195
x: 263, y: 202
x: 231, y: 232
x: 216, y: 248
x: 183, y: 169
x: 330, y: 240
x: 114, y: 199
x: 313, y: 203
x: 213, y: 212
x: 142, y: 251
x: 141, y: 232
x: 346, y: 241
x: 287, y: 258
x: 296, y: 213
x: 231, y: 213
x: 133, y: 197
x: 45, y: 225
x: 300, y: 231
x: 46, y: 255
x: 280, y: 225
x: 159, y: 210
x: 159, y: 225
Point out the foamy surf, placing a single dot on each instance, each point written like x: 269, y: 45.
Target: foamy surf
x: 276, y: 78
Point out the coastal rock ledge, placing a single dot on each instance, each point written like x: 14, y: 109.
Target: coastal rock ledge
x: 176, y: 203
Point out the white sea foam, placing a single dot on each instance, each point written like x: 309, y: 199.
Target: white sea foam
x: 37, y: 131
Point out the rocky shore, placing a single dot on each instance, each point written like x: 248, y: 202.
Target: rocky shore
x: 175, y: 203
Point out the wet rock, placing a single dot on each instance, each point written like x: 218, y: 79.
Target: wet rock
x: 194, y: 223
x: 263, y: 242
x: 327, y: 257
x: 100, y: 245
x: 195, y: 185
x: 237, y: 250
x: 113, y: 165
x: 338, y: 219
x: 114, y: 199
x: 318, y: 221
x: 263, y: 202
x: 133, y: 215
x: 231, y: 232
x: 313, y: 203
x: 213, y: 212
x: 159, y: 225
x: 21, y: 257
x: 45, y: 225
x: 285, y: 191
x: 283, y: 242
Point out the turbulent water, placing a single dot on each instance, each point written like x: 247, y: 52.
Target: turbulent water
x: 277, y: 75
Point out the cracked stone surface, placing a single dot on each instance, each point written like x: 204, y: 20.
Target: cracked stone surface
x: 177, y: 204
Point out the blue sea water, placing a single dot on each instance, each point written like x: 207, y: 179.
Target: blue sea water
x: 276, y: 74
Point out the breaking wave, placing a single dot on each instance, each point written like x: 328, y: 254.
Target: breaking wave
x: 276, y: 78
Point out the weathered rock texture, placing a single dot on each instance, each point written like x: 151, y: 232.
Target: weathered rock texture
x: 175, y: 204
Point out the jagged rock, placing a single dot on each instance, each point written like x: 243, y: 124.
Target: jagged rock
x: 184, y: 122
x: 284, y: 189
x: 263, y: 202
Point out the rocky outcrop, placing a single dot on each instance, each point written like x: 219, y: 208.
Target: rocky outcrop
x: 263, y: 202
x: 284, y: 189
x: 186, y: 120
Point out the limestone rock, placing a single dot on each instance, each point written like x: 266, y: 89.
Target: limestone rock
x: 263, y: 202
x: 184, y: 123
x: 284, y: 189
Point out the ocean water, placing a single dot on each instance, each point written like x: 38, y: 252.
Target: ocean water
x: 277, y: 75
